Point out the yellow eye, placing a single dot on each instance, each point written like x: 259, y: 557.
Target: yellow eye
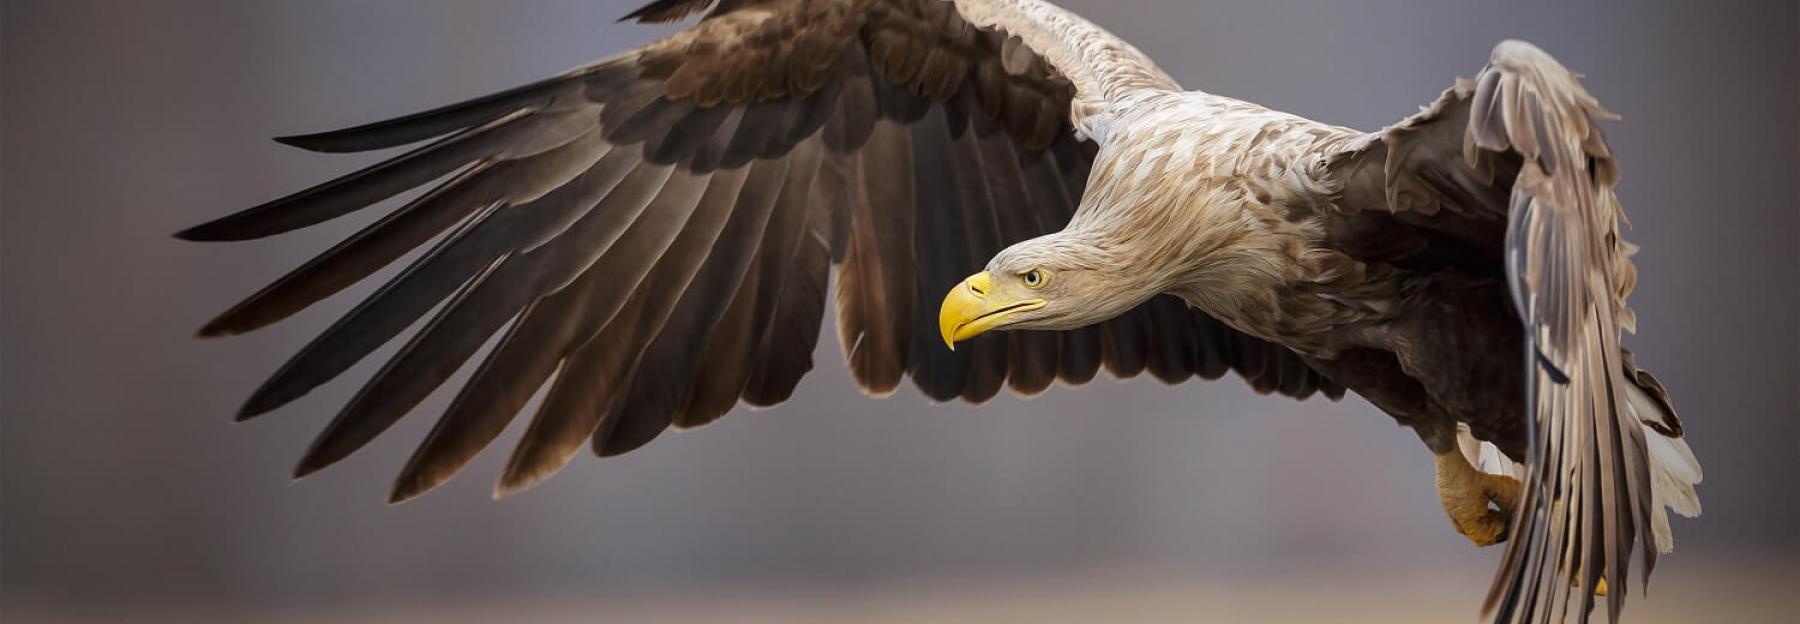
x: 1035, y: 278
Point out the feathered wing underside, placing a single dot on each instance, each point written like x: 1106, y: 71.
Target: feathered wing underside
x: 651, y: 237
x: 1521, y: 143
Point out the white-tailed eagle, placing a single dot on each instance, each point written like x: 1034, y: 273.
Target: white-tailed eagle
x: 654, y: 235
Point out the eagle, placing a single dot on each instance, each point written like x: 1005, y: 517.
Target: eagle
x: 1008, y: 196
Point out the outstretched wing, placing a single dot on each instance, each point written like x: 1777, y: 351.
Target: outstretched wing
x: 653, y: 233
x: 1519, y: 151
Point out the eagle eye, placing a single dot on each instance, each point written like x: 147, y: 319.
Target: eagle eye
x: 1035, y: 278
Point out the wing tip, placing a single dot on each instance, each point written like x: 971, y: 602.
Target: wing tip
x: 325, y: 451
x: 266, y: 399
x: 411, y: 485
x: 519, y: 477
x: 214, y: 231
x: 508, y: 486
x: 615, y: 447
x: 193, y: 234
x: 257, y: 405
x: 309, y: 464
x: 396, y: 497
x: 332, y: 142
x: 302, y: 141
x: 224, y: 326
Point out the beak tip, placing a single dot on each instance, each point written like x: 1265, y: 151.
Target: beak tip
x: 963, y: 310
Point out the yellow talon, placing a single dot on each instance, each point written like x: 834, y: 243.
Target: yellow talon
x: 1466, y: 494
x: 1600, y: 587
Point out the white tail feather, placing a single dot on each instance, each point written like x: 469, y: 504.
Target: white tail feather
x: 1673, y: 469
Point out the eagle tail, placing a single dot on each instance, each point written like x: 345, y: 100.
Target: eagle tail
x: 1673, y: 469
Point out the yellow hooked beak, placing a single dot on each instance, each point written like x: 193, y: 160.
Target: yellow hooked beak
x: 971, y: 309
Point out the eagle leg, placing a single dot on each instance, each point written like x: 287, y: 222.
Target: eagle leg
x: 1480, y: 504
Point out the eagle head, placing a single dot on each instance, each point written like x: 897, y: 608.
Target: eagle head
x: 1054, y: 282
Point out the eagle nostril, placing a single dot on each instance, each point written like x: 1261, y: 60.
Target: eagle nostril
x: 977, y: 290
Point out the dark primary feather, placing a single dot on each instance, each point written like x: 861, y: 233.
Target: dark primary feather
x: 472, y: 318
x: 441, y: 121
x: 671, y: 241
x: 774, y: 270
x: 545, y: 332
x: 521, y: 134
x: 786, y: 349
x: 483, y: 186
x: 729, y: 356
x: 434, y: 277
x: 724, y: 363
x: 661, y: 381
x: 652, y: 237
x: 674, y: 298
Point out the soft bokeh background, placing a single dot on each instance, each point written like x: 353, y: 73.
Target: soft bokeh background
x: 127, y: 493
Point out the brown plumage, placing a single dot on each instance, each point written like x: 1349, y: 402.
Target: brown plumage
x: 655, y: 234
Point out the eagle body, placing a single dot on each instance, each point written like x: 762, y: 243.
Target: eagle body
x: 1250, y: 232
x: 654, y: 238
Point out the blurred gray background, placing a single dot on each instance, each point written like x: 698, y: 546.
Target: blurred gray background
x: 127, y: 492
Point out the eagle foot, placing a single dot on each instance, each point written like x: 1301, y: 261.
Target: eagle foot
x: 1480, y: 505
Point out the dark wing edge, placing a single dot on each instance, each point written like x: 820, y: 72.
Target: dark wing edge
x: 651, y: 237
x: 1522, y: 143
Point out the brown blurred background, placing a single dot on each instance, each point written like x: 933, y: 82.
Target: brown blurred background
x: 127, y: 493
